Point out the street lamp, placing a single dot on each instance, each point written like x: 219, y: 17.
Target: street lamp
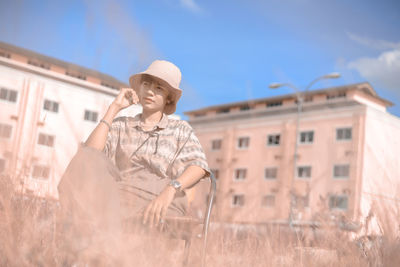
x: 299, y: 96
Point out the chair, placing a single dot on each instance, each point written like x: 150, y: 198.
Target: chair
x: 205, y: 222
x: 182, y: 227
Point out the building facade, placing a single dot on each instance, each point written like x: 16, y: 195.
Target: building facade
x: 345, y: 164
x: 48, y: 107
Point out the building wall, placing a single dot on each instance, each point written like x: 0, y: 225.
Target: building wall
x: 380, y: 189
x: 21, y: 152
x: 322, y: 154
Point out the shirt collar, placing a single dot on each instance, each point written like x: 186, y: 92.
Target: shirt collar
x: 162, y: 124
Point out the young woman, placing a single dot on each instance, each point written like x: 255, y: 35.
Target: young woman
x: 137, y: 166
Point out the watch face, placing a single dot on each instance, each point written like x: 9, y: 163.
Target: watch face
x: 175, y: 184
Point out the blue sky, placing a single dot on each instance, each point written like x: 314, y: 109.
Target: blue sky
x: 227, y: 50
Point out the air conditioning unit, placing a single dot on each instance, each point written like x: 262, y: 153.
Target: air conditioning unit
x: 8, y: 154
x: 14, y: 117
x: 348, y: 152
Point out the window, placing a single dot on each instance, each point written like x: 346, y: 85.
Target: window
x: 244, y: 107
x: 338, y: 202
x: 4, y: 54
x: 40, y: 172
x: 50, y: 105
x: 216, y: 144
x: 8, y: 95
x: 273, y: 139
x: 307, y: 137
x: 237, y: 200
x: 90, y: 115
x: 308, y: 98
x: 341, y: 171
x: 343, y: 134
x: 39, y: 64
x: 336, y: 95
x: 240, y: 174
x: 2, y: 165
x: 270, y: 173
x: 268, y: 201
x: 108, y: 85
x: 223, y: 110
x: 243, y: 142
x: 5, y: 130
x: 216, y: 173
x: 76, y: 75
x: 46, y: 140
x: 274, y: 104
x: 304, y: 171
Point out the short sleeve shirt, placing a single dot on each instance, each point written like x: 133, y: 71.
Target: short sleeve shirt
x: 168, y: 149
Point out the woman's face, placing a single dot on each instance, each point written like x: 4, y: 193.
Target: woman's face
x: 152, y: 94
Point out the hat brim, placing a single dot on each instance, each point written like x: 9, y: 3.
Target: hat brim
x: 134, y: 82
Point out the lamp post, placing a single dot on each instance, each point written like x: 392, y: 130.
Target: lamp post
x: 300, y: 98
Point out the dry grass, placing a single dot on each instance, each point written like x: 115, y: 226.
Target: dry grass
x: 29, y: 238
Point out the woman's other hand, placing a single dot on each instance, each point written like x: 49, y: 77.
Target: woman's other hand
x: 125, y: 98
x: 157, y: 209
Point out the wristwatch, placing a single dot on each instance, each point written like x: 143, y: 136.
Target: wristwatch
x: 175, y: 184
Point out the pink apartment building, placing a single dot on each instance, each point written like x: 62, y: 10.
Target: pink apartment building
x: 48, y: 107
x: 347, y: 158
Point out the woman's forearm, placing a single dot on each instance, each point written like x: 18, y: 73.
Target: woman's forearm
x: 191, y: 176
x: 97, y: 139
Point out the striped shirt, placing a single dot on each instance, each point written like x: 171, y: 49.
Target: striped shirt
x: 167, y: 150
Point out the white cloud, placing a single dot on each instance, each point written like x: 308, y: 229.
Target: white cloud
x: 191, y: 5
x: 383, y: 70
x: 375, y: 44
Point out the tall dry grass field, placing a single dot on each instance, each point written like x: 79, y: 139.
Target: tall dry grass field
x: 29, y: 237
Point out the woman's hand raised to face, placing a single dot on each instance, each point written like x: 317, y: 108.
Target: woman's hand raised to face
x: 125, y: 98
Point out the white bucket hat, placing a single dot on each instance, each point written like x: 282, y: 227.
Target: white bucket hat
x: 168, y: 73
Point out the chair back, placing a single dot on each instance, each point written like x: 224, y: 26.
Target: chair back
x: 206, y: 222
